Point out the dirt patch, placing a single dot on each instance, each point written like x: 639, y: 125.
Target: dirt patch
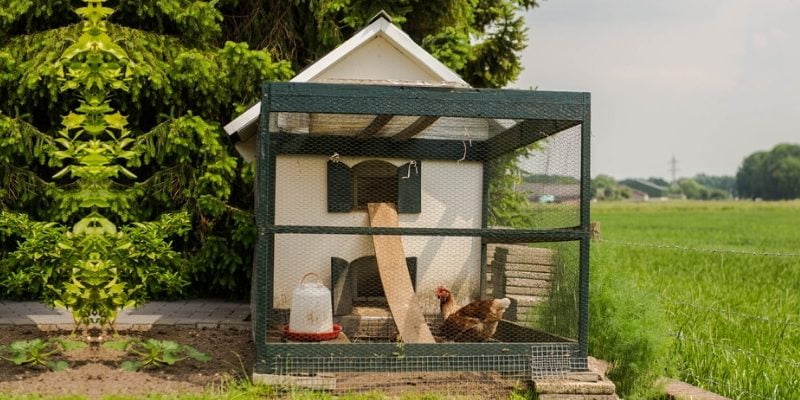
x: 95, y: 371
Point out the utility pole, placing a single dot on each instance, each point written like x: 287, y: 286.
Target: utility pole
x: 673, y: 168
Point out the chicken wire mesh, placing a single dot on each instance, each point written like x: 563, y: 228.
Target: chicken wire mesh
x: 429, y: 246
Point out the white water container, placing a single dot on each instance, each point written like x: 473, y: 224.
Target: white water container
x: 311, y: 310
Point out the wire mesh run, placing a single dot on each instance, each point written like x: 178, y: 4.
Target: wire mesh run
x: 445, y: 233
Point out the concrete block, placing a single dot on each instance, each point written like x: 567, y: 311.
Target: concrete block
x: 22, y: 321
x: 541, y: 268
x: 317, y: 382
x: 527, y: 301
x: 528, y: 283
x: 141, y: 327
x: 47, y: 327
x: 578, y: 397
x: 66, y: 327
x: 563, y: 386
x: 527, y: 291
x: 544, y: 276
x: 122, y: 327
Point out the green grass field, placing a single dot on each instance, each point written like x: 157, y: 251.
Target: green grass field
x: 734, y: 315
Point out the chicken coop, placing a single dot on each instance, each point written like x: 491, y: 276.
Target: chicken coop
x: 391, y: 198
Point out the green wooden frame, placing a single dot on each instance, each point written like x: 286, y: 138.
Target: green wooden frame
x: 545, y: 113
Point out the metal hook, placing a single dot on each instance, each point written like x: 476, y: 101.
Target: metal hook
x: 412, y: 163
x: 467, y: 138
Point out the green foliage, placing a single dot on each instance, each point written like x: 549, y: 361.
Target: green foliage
x: 101, y: 119
x: 479, y: 39
x: 722, y: 182
x: 606, y: 188
x: 117, y: 109
x: 152, y: 353
x: 38, y: 352
x: 93, y: 269
x: 627, y: 330
x: 771, y: 175
x: 696, y: 191
x: 508, y: 206
x: 732, y: 316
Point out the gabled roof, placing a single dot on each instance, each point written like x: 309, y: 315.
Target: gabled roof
x: 380, y: 27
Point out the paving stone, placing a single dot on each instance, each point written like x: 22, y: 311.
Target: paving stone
x: 141, y: 327
x: 122, y: 327
x: 50, y: 319
x: 47, y: 327
x: 214, y: 313
x: 166, y: 321
x: 66, y: 327
x: 138, y: 319
x: 21, y: 321
x: 561, y: 386
x: 578, y: 397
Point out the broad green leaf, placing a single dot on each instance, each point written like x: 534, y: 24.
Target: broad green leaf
x: 131, y: 366
x: 59, y: 365
x: 169, y: 358
x: 193, y: 353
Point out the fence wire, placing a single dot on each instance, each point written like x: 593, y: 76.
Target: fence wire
x: 787, y: 329
x: 699, y: 250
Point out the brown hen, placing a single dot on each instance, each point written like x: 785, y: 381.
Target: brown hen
x: 475, y: 322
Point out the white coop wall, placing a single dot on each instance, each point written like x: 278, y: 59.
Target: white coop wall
x: 451, y: 198
x: 377, y: 59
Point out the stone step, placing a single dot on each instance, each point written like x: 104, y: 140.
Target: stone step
x: 505, y: 266
x: 526, y: 291
x: 527, y: 283
x: 518, y: 249
x: 544, y: 276
x: 546, y: 259
x: 527, y: 301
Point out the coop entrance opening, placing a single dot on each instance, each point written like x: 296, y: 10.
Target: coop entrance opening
x: 374, y: 181
x: 358, y: 283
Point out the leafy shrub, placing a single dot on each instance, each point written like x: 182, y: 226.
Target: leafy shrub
x: 38, y: 352
x: 152, y: 353
x: 627, y: 328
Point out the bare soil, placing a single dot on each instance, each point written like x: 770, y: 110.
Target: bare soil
x: 95, y: 373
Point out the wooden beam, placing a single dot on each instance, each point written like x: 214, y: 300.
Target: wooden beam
x: 414, y: 128
x: 375, y: 126
x: 441, y: 102
x: 414, y: 149
x: 525, y: 133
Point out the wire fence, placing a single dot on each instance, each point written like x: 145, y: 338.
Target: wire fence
x: 699, y: 249
x: 755, y: 383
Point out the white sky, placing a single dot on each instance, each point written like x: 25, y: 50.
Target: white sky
x: 709, y: 81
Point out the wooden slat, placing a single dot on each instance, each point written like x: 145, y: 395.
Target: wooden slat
x: 414, y: 129
x: 396, y: 282
x: 375, y: 126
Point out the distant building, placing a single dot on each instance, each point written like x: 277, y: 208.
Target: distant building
x: 651, y: 189
x: 551, y: 192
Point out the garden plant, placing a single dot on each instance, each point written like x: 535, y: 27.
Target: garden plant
x: 40, y: 353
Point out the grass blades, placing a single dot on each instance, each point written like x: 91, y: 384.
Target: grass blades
x: 732, y: 303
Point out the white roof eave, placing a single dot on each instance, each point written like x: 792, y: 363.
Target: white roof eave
x: 381, y: 26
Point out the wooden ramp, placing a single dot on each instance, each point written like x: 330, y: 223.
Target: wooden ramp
x: 391, y: 259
